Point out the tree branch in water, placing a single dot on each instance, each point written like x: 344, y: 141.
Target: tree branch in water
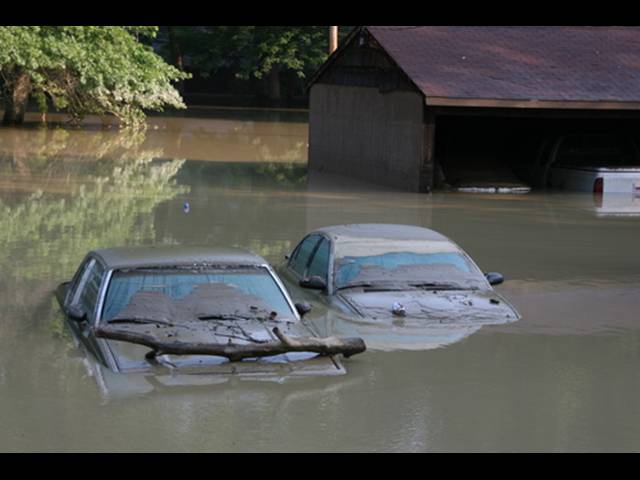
x: 235, y: 352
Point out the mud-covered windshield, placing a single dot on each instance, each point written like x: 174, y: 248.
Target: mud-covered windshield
x: 175, y: 295
x: 419, y: 264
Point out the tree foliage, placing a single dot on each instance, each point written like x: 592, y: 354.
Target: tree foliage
x: 250, y: 52
x: 254, y: 50
x: 300, y: 49
x: 87, y: 70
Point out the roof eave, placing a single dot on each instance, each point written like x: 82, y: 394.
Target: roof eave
x: 532, y: 104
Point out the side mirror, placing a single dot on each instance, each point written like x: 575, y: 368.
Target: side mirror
x: 303, y: 308
x: 77, y: 313
x: 313, y: 282
x: 494, y: 278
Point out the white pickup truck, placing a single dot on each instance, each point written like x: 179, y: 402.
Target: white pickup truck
x: 598, y: 163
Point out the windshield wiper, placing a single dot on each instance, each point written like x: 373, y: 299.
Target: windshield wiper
x: 220, y: 316
x: 400, y: 285
x: 436, y: 286
x: 381, y: 287
x: 142, y: 321
x: 217, y: 316
x: 373, y: 286
x: 354, y: 285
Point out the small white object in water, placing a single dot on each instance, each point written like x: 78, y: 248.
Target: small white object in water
x: 398, y: 309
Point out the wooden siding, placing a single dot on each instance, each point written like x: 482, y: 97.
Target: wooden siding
x: 363, y: 133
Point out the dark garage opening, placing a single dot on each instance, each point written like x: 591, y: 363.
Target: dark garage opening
x: 505, y: 151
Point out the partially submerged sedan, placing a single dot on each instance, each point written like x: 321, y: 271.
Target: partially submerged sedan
x: 407, y: 280
x: 193, y: 310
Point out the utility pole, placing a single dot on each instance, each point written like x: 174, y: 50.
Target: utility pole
x: 333, y: 39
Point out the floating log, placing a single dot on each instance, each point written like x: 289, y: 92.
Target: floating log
x: 235, y: 352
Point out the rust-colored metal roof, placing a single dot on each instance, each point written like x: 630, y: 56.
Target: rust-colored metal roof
x: 518, y: 66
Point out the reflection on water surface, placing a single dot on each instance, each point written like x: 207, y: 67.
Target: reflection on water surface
x: 562, y: 378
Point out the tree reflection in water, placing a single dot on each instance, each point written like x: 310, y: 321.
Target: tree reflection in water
x: 65, y: 192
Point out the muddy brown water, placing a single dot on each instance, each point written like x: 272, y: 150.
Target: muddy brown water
x: 564, y: 378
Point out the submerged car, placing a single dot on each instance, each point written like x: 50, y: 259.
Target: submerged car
x: 192, y: 310
x: 402, y: 277
x: 598, y: 163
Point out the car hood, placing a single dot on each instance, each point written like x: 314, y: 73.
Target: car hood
x: 474, y: 307
x: 131, y: 356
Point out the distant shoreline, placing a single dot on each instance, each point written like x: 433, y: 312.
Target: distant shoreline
x: 33, y: 115
x: 226, y: 107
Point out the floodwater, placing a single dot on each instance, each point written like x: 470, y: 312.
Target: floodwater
x: 566, y: 377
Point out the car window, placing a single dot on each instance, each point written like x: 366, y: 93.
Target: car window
x: 595, y: 150
x: 320, y: 261
x: 89, y: 295
x: 79, y: 280
x: 86, y: 292
x: 404, y: 262
x: 190, y: 295
x: 300, y: 258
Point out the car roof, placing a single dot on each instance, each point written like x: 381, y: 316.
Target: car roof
x: 153, y: 256
x: 381, y: 231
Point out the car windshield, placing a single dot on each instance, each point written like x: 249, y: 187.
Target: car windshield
x: 175, y: 295
x: 429, y: 264
x: 596, y: 150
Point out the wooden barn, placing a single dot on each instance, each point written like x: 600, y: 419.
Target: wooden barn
x: 415, y: 107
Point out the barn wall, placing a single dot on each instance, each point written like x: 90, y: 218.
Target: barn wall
x: 364, y: 133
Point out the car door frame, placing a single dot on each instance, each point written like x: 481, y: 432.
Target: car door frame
x: 283, y: 289
x: 84, y: 332
x: 292, y: 273
x: 289, y: 267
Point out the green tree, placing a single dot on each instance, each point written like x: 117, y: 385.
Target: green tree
x: 270, y: 50
x: 262, y: 52
x: 85, y: 70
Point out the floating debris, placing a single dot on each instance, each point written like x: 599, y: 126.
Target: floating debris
x: 399, y: 310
